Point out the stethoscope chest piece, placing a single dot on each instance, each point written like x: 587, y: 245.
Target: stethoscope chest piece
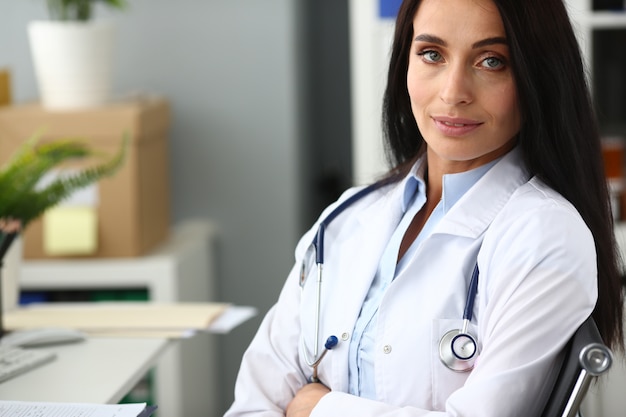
x: 457, y: 350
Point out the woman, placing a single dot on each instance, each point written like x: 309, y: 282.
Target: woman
x: 497, y: 174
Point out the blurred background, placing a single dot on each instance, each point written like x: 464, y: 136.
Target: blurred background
x: 260, y: 131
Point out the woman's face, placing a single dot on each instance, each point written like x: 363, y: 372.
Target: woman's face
x: 461, y: 84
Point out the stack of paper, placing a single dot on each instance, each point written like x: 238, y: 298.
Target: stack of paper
x: 131, y: 319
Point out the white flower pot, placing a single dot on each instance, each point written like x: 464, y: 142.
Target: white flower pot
x: 73, y: 62
x: 11, y: 275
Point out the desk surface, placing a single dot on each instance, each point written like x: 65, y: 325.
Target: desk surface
x: 99, y: 370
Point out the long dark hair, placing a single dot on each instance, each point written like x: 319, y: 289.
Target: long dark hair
x: 559, y: 135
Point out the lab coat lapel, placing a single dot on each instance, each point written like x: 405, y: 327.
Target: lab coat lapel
x: 475, y: 211
x: 376, y: 224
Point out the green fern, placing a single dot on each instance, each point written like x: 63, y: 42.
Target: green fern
x: 21, y: 197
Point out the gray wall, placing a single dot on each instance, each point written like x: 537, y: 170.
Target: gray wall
x: 247, y: 81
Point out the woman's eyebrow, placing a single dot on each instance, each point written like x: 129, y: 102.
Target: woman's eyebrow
x: 424, y: 37
x: 496, y: 40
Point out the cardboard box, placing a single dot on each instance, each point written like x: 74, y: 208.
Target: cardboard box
x: 133, y: 206
x: 5, y: 87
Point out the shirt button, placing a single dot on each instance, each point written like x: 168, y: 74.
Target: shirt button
x: 387, y: 348
x: 345, y: 336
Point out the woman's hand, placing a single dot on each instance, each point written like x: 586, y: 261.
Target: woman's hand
x: 305, y: 399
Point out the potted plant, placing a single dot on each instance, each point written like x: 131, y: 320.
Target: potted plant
x: 72, y: 54
x: 23, y: 199
x: 78, y: 10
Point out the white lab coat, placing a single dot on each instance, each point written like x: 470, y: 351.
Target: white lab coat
x: 537, y: 284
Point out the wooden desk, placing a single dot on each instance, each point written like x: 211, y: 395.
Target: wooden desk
x: 98, y: 370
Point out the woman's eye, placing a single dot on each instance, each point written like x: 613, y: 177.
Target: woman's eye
x: 430, y: 56
x: 492, y: 63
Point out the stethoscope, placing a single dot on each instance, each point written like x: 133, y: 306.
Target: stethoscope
x: 457, y: 348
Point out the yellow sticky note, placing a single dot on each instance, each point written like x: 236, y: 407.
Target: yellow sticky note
x: 70, y: 230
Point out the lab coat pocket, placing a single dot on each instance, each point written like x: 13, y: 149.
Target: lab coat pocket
x: 445, y: 380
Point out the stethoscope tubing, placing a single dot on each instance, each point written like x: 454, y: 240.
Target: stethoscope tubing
x: 318, y: 240
x: 471, y: 296
x: 318, y: 309
x: 318, y: 244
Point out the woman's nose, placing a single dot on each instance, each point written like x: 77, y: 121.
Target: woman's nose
x: 456, y: 86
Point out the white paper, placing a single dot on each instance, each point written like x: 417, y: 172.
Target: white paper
x: 43, y: 409
x: 232, y: 317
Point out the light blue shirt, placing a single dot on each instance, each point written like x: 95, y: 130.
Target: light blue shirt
x: 362, y: 343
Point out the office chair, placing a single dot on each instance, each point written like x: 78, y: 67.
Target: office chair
x: 586, y: 357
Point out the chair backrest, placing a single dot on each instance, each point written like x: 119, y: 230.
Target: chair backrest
x: 586, y: 357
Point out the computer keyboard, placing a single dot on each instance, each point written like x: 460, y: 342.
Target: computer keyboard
x: 15, y: 360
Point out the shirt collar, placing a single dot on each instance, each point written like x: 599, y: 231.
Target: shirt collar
x: 454, y: 185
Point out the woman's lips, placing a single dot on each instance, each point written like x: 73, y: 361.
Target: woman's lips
x: 455, y: 126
